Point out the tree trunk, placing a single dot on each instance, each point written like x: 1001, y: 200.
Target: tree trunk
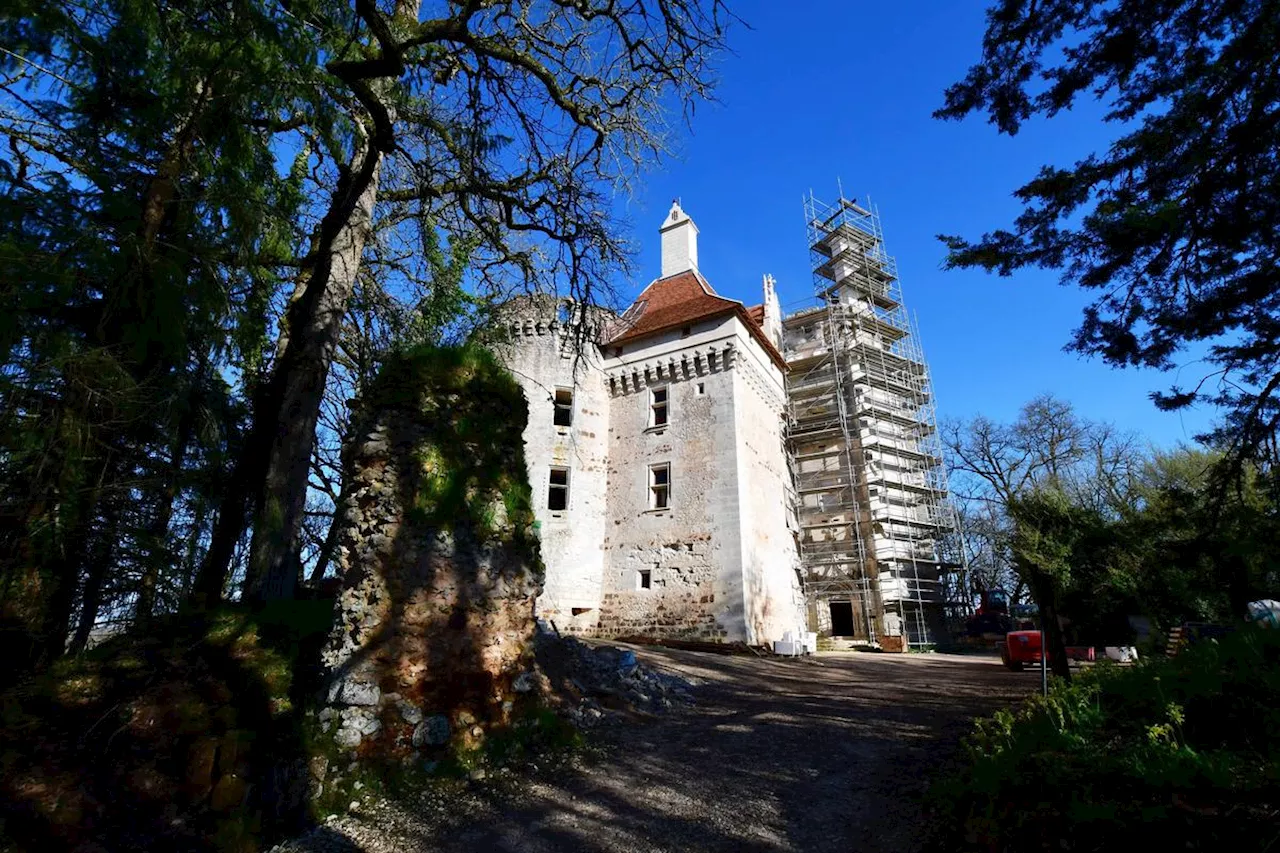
x: 330, y: 543
x: 314, y: 318
x: 99, y: 564
x: 159, y: 554
x: 229, y: 524
x: 38, y: 573
x: 55, y: 575
x: 1042, y: 587
x: 313, y: 322
x: 191, y: 553
x: 1239, y: 587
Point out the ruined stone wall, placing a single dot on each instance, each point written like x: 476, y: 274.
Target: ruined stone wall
x: 433, y: 628
x: 693, y: 550
x: 773, y: 601
x: 544, y: 354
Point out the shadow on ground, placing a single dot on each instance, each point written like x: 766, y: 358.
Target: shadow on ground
x: 188, y: 739
x: 823, y: 754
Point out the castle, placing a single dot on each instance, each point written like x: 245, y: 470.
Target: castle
x: 704, y: 469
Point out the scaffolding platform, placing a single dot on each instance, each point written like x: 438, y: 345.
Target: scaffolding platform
x: 874, y: 524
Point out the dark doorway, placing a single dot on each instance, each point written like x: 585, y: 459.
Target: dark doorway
x: 841, y: 618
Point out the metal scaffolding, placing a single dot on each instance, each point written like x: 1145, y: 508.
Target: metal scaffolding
x: 865, y: 453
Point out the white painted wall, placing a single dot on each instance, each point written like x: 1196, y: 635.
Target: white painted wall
x: 773, y: 602
x: 722, y: 557
x: 542, y: 356
x: 679, y: 242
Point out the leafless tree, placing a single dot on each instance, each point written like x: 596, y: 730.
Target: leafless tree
x: 510, y: 124
x: 1048, y: 448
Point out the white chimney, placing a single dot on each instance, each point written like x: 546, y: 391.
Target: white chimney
x: 679, y: 242
x: 772, y: 323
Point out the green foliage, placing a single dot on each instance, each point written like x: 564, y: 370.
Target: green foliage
x: 470, y: 458
x: 1105, y: 529
x: 145, y: 224
x: 1206, y: 548
x: 1185, y: 745
x: 1173, y: 226
x: 540, y: 732
x: 177, y: 740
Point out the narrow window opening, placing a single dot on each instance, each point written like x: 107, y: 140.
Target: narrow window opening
x: 658, y: 407
x: 660, y: 486
x: 644, y: 579
x: 702, y: 389
x: 558, y: 490
x: 564, y: 407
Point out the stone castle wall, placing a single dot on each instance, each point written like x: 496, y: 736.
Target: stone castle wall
x: 437, y: 555
x: 691, y: 549
x: 773, y: 600
x: 544, y: 354
x: 721, y: 559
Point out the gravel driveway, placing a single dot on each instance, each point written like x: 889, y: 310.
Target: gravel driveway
x: 829, y: 753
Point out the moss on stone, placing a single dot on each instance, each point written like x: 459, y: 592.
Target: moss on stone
x: 470, y: 413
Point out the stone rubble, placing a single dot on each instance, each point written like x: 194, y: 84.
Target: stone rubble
x: 594, y: 682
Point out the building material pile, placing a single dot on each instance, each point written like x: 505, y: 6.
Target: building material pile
x: 594, y: 683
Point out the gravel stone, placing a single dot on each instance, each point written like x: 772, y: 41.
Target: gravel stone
x: 433, y: 731
x: 824, y: 754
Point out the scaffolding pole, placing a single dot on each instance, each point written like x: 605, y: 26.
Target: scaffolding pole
x: 866, y: 458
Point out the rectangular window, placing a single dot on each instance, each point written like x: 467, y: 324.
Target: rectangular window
x: 558, y: 490
x: 660, y: 486
x: 644, y: 579
x: 564, y: 407
x: 658, y: 407
x: 702, y: 389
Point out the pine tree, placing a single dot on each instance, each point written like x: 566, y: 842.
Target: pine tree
x: 1176, y: 226
x: 142, y: 212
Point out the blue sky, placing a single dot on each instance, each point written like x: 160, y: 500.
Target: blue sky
x: 825, y: 90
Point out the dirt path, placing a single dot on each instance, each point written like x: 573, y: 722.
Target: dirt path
x: 823, y: 754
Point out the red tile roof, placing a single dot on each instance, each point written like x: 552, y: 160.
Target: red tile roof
x: 683, y: 299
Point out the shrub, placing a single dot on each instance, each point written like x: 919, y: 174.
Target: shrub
x: 185, y: 739
x: 1186, y: 745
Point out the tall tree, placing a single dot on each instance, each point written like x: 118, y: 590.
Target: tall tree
x: 139, y: 203
x: 1053, y: 479
x: 1209, y: 550
x: 510, y: 122
x: 1176, y: 226
x: 985, y: 533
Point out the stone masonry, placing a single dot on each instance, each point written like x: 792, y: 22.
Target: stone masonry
x: 676, y: 522
x: 433, y: 636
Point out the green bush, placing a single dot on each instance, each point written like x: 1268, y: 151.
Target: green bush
x: 187, y: 738
x: 1186, y: 747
